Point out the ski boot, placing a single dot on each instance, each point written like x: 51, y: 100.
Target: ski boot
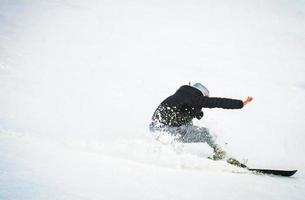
x: 235, y: 162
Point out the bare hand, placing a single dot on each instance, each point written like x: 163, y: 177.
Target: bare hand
x: 249, y: 99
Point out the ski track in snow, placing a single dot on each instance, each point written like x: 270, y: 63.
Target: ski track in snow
x: 79, y: 81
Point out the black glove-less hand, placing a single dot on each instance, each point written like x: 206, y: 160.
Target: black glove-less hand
x: 199, y: 115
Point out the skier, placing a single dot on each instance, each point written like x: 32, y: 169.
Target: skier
x: 175, y: 114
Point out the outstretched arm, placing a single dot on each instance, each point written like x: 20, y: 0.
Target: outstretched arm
x: 216, y: 102
x: 225, y: 103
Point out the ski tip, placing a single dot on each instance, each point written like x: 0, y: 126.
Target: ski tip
x: 290, y: 173
x: 293, y: 172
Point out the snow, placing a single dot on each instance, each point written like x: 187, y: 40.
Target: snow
x: 79, y: 81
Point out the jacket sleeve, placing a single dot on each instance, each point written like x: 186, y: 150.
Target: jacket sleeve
x: 215, y: 102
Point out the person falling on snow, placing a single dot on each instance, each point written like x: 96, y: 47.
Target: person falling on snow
x: 175, y: 114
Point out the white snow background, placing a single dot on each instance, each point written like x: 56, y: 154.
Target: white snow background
x: 80, y: 80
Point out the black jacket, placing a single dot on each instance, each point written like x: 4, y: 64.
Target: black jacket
x: 186, y: 104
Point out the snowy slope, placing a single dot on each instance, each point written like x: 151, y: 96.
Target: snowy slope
x: 79, y: 81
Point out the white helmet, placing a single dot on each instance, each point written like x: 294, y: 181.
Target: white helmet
x: 202, y: 89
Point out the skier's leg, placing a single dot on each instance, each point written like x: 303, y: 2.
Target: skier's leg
x: 164, y: 133
x: 195, y: 134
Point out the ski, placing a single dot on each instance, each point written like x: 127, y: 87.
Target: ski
x: 276, y: 172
